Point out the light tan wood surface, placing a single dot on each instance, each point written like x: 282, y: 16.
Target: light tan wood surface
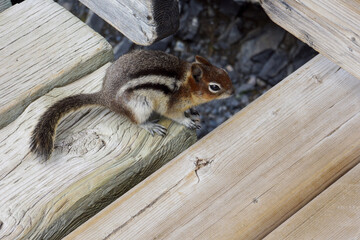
x: 331, y: 27
x: 142, y: 21
x: 98, y: 156
x: 251, y: 173
x: 42, y: 46
x: 4, y: 4
x: 333, y: 215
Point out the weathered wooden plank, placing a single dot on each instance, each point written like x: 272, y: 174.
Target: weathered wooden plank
x: 330, y: 27
x: 4, y: 4
x: 254, y: 171
x: 98, y: 156
x: 42, y: 46
x: 142, y: 21
x: 334, y: 214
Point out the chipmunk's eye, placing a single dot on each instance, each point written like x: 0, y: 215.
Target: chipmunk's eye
x: 214, y: 87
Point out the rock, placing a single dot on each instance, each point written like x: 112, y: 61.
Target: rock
x: 260, y: 83
x: 280, y: 76
x: 245, y: 100
x: 195, y: 8
x: 263, y: 56
x: 233, y: 103
x: 252, y: 80
x: 123, y: 47
x: 268, y: 38
x: 260, y: 59
x: 232, y: 73
x: 68, y: 5
x: 179, y: 46
x: 288, y: 42
x: 244, y: 88
x: 94, y: 21
x: 192, y: 29
x: 230, y: 35
x: 229, y: 7
x: 256, y: 68
x: 304, y: 54
x: 246, y: 1
x: 274, y: 65
x: 234, y: 35
x: 221, y: 45
x: 189, y: 21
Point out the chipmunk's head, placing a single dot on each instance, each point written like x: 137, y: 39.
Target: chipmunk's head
x: 208, y: 82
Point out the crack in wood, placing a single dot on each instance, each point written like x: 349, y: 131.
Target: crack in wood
x: 142, y: 210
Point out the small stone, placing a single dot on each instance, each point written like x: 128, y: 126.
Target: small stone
x: 260, y: 82
x: 256, y: 68
x: 195, y: 7
x: 244, y: 99
x: 229, y: 7
x: 234, y: 35
x: 233, y: 102
x: 191, y: 29
x: 280, y: 76
x: 243, y: 66
x: 252, y: 80
x: 221, y: 45
x: 269, y: 38
x: 229, y: 68
x: 219, y: 120
x: 179, y: 46
x: 227, y: 115
x: 263, y: 56
x: 274, y: 65
x: 245, y: 88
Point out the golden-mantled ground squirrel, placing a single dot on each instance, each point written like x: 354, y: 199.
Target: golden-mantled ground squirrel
x: 138, y: 84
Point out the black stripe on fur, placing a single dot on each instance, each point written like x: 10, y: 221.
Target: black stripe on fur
x: 42, y: 139
x: 153, y: 86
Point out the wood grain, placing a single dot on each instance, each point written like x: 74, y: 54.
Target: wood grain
x: 251, y: 173
x: 142, y: 21
x: 98, y: 156
x: 330, y: 27
x: 334, y: 214
x: 4, y: 4
x: 42, y: 46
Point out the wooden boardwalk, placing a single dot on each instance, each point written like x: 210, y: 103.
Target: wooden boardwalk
x: 280, y: 152
x: 285, y: 149
x: 285, y: 167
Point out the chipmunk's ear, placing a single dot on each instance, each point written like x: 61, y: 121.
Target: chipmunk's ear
x: 196, y: 72
x: 202, y: 60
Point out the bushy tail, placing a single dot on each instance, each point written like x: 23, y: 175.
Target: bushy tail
x: 42, y: 139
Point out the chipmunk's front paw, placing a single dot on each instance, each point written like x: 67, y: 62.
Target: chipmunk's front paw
x: 192, y: 114
x: 153, y: 128
x: 191, y: 123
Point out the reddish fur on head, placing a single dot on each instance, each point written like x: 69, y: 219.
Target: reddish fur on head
x: 206, y: 78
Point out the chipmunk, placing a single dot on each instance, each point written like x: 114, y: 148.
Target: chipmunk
x: 138, y: 84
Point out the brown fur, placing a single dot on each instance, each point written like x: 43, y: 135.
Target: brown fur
x: 193, y: 80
